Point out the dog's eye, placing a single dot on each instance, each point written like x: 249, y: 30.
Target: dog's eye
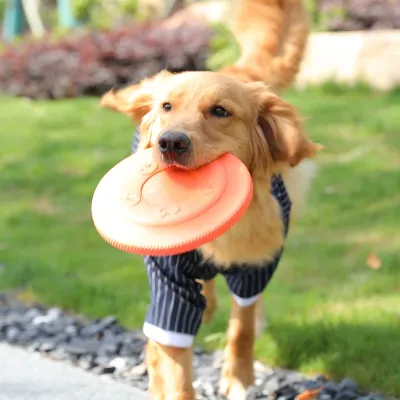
x: 220, y: 112
x: 166, y: 107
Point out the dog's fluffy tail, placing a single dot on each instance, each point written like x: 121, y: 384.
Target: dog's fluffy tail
x: 272, y: 35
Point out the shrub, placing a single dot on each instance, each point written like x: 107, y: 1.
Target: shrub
x: 89, y: 63
x: 349, y: 15
x: 224, y: 48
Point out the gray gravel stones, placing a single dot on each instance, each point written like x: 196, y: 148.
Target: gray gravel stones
x: 104, y: 347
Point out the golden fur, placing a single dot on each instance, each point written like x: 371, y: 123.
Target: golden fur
x: 272, y: 35
x: 265, y: 132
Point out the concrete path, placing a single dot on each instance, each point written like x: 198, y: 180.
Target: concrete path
x: 28, y: 376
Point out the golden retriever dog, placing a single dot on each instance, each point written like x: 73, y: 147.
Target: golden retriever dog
x: 192, y: 118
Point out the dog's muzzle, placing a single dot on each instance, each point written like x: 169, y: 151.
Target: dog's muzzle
x: 174, y: 147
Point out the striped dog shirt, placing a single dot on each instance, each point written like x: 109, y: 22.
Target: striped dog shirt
x: 176, y: 307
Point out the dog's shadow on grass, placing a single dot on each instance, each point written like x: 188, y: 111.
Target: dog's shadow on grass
x: 369, y: 354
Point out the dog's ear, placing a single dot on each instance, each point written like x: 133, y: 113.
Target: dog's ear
x: 134, y: 100
x: 280, y: 126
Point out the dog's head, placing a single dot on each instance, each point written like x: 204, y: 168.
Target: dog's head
x: 192, y: 118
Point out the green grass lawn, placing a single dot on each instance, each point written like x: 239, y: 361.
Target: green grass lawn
x: 327, y: 310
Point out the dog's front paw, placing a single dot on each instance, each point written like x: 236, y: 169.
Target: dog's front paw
x: 236, y: 377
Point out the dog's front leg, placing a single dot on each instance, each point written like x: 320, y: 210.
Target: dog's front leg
x: 170, y: 372
x: 237, y: 371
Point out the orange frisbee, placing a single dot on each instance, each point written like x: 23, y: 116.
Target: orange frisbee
x: 143, y: 208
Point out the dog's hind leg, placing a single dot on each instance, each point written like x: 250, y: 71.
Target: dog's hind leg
x: 209, y: 294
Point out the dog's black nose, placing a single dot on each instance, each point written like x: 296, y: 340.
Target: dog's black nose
x: 174, y: 142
